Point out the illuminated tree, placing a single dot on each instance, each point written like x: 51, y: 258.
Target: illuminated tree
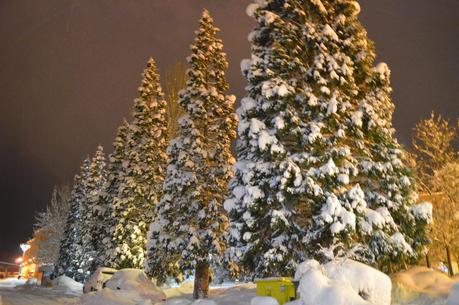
x: 143, y: 167
x: 176, y: 78
x: 437, y: 160
x: 50, y: 225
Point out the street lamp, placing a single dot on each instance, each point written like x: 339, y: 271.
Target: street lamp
x: 24, y: 248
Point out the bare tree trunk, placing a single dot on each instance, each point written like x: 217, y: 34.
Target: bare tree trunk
x: 450, y: 263
x: 428, y: 261
x: 201, y: 280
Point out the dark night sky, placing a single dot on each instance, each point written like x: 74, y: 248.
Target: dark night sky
x: 69, y: 72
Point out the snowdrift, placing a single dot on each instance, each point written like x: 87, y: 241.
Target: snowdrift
x: 11, y: 282
x: 344, y: 282
x: 67, y: 284
x: 421, y: 285
x: 453, y: 298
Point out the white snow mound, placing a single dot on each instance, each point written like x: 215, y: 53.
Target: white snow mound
x: 264, y: 301
x: 424, y: 280
x: 204, y: 302
x: 11, y: 282
x: 67, y: 283
x: 453, y: 298
x: 178, y: 302
x: 342, y: 282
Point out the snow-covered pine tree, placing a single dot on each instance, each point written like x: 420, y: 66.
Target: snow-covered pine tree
x: 115, y: 176
x: 92, y: 213
x: 319, y: 172
x: 70, y: 253
x: 144, y: 167
x: 187, y: 233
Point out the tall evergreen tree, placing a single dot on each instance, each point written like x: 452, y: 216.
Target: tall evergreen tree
x: 187, y: 233
x: 115, y: 176
x: 92, y: 213
x: 319, y: 172
x: 70, y: 253
x: 143, y: 168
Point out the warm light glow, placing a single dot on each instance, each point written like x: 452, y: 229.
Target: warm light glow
x: 24, y: 247
x: 18, y: 260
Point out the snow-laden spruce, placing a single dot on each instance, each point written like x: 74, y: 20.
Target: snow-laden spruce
x: 319, y: 173
x: 70, y: 253
x: 143, y: 167
x: 188, y: 230
x: 115, y: 175
x: 92, y: 213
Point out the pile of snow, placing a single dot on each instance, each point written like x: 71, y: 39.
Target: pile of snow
x: 66, y: 283
x: 453, y: 298
x: 11, y: 283
x: 342, y: 282
x: 264, y: 301
x: 185, y: 288
x: 126, y: 287
x: 229, y: 293
x: 421, y: 285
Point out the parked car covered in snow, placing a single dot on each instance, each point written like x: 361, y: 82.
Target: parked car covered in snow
x: 98, y: 279
x: 135, y: 280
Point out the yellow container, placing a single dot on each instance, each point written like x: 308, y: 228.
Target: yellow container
x: 280, y: 288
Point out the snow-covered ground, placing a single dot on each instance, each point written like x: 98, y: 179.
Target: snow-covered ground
x: 15, y: 292
x: 417, y: 286
x: 423, y: 286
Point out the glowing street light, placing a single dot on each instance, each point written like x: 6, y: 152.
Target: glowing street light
x: 24, y: 247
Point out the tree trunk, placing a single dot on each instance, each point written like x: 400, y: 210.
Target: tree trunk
x: 201, y: 280
x: 428, y: 261
x: 450, y: 263
x: 405, y: 266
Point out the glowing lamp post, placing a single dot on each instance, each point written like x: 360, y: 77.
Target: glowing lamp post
x: 24, y: 248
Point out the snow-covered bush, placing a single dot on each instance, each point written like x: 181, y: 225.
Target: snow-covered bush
x: 342, y: 282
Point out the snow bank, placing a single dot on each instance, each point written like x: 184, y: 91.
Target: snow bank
x: 264, y: 301
x: 423, y: 286
x: 186, y: 288
x: 345, y: 282
x: 225, y: 294
x: 178, y: 302
x: 453, y: 298
x: 425, y: 281
x: 113, y: 297
x: 67, y: 283
x: 204, y: 302
x: 11, y: 282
